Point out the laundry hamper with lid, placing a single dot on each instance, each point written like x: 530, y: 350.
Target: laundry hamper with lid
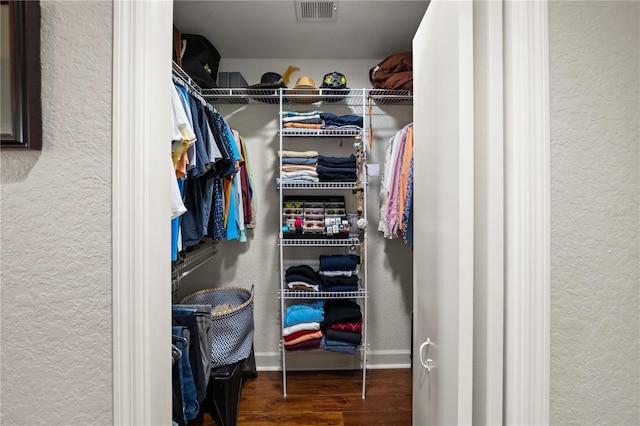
x: 232, y: 327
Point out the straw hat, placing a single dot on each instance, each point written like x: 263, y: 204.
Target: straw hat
x: 305, y: 86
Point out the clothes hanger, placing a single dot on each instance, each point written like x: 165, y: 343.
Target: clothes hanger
x: 180, y: 339
x: 176, y: 353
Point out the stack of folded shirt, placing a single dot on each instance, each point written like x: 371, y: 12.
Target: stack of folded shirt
x: 302, y: 278
x: 302, y: 325
x: 337, y: 169
x: 342, y: 326
x: 339, y: 272
x: 302, y: 120
x: 299, y: 166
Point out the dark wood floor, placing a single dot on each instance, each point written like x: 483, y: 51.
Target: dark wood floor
x: 324, y: 398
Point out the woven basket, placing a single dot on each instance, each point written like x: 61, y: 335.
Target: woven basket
x: 233, y: 328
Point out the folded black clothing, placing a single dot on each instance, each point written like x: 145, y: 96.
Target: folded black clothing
x: 340, y: 288
x: 341, y: 281
x: 305, y: 270
x: 305, y: 279
x: 340, y: 310
x: 337, y: 177
x: 349, y: 161
x: 321, y: 170
x: 352, y: 337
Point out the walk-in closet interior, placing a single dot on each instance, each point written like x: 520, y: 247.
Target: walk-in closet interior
x: 286, y: 219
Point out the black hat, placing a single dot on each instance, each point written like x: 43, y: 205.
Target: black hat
x: 201, y: 60
x: 269, y: 80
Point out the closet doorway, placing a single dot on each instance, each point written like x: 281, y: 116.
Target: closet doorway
x: 141, y: 329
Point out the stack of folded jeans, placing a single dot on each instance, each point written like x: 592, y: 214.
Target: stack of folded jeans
x: 337, y: 169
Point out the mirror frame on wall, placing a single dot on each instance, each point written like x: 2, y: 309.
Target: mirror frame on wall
x: 22, y: 128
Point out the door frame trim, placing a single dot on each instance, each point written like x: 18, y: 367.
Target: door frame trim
x: 141, y: 270
x: 488, y: 326
x: 527, y: 217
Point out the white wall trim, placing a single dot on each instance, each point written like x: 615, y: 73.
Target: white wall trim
x: 318, y: 360
x: 141, y: 250
x: 488, y: 324
x: 527, y: 220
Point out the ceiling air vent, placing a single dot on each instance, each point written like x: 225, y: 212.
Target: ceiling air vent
x: 316, y: 11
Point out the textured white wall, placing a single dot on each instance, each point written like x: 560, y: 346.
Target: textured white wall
x: 595, y: 279
x: 257, y: 261
x: 56, y: 233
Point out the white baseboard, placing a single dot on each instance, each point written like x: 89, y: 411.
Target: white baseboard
x: 324, y: 360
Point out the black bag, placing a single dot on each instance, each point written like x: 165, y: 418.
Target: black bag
x: 201, y: 60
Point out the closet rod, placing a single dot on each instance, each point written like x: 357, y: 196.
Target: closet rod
x: 192, y: 261
x: 178, y: 73
x: 193, y: 92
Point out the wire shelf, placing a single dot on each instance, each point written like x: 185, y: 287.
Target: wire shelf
x: 192, y: 260
x: 321, y: 132
x: 317, y: 242
x: 180, y: 74
x: 247, y: 95
x: 319, y: 185
x: 390, y: 97
x: 299, y: 294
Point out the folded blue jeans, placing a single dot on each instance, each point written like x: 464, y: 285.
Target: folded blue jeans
x: 342, y: 120
x: 299, y: 160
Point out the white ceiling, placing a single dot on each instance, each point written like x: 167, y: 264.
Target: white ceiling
x: 370, y: 29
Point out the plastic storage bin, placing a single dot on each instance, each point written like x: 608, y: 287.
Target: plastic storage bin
x: 223, y: 394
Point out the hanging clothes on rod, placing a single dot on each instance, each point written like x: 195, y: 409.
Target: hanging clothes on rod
x: 211, y: 170
x: 396, y: 187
